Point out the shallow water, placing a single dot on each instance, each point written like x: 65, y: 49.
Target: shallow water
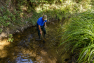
x: 25, y: 48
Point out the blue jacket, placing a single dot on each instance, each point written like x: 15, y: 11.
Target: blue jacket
x: 41, y: 22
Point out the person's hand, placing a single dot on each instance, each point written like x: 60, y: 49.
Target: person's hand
x: 41, y: 32
x: 45, y: 26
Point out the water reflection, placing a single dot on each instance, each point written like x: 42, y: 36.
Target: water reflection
x: 23, y: 58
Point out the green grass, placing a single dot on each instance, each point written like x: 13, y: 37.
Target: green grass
x: 79, y: 35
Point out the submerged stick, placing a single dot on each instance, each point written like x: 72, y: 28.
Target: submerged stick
x: 43, y: 38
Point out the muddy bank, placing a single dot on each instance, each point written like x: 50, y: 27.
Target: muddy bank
x: 12, y: 30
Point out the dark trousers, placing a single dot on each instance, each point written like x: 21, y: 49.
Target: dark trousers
x: 43, y: 29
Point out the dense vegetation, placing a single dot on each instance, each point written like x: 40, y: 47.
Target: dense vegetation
x: 18, y: 13
x: 77, y: 31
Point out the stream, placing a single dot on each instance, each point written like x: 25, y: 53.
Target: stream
x: 25, y: 48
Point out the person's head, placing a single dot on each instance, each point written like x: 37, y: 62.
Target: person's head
x: 44, y: 17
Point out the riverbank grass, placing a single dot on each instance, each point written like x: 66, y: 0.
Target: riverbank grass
x: 79, y: 36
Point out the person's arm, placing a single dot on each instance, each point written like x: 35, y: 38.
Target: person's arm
x: 40, y: 29
x: 45, y: 24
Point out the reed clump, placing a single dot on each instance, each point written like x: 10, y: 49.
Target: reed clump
x: 79, y: 36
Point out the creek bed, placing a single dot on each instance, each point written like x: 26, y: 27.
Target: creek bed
x: 25, y: 48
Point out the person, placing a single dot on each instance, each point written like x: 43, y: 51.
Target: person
x: 41, y: 25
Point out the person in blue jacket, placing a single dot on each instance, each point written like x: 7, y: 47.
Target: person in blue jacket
x: 41, y: 25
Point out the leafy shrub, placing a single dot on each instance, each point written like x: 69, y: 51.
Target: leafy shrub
x: 10, y: 39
